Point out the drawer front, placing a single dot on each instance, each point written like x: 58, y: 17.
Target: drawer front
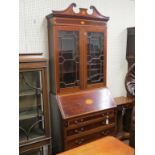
x: 85, y: 139
x: 89, y: 119
x: 103, y: 122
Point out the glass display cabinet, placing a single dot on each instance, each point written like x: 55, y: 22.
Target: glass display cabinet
x: 69, y: 59
x: 77, y: 50
x: 37, y: 151
x: 34, y: 127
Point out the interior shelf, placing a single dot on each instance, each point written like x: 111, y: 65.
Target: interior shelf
x: 30, y: 114
x: 29, y: 92
x: 94, y: 69
x: 69, y: 72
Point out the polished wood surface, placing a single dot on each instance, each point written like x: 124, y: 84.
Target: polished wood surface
x: 31, y: 57
x: 69, y: 13
x: 122, y: 100
x: 86, y: 116
x: 85, y: 102
x: 105, y: 146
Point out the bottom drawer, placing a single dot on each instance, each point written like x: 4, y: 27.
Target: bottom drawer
x: 89, y: 138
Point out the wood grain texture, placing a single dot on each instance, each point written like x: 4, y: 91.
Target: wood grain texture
x: 122, y: 100
x: 69, y: 13
x: 32, y: 57
x: 86, y: 116
x: 76, y: 104
x: 105, y: 146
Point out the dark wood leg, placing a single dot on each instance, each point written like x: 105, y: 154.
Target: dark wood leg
x: 121, y: 134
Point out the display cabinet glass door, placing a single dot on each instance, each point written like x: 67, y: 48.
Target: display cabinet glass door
x: 95, y: 57
x: 68, y: 43
x: 43, y: 150
x: 31, y: 111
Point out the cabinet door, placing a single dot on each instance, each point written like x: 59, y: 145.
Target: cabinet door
x: 96, y: 59
x: 68, y: 59
x: 31, y: 106
x: 43, y: 150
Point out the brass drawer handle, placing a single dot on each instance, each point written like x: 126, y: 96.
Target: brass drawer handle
x: 82, y: 120
x: 107, y: 121
x: 79, y: 141
x: 76, y: 131
x: 76, y: 122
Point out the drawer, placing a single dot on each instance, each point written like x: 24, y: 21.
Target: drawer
x: 85, y: 128
x: 91, y: 131
x: 85, y: 139
x: 80, y: 121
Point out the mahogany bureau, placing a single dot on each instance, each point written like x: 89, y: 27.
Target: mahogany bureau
x: 90, y: 115
x: 82, y: 107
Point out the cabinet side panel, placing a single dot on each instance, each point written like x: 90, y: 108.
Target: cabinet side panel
x: 51, y: 60
x: 57, y: 127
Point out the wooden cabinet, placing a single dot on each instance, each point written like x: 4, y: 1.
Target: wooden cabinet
x: 124, y: 107
x: 86, y: 116
x: 83, y: 109
x: 34, y: 127
x: 77, y: 49
x: 130, y: 52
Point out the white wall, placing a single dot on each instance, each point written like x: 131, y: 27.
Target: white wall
x: 33, y: 31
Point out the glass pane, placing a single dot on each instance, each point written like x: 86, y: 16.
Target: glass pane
x: 40, y: 151
x: 31, y: 119
x: 95, y: 57
x: 69, y: 58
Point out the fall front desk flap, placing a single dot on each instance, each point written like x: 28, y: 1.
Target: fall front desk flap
x: 85, y: 102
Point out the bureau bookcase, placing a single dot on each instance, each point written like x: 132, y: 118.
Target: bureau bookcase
x: 83, y: 108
